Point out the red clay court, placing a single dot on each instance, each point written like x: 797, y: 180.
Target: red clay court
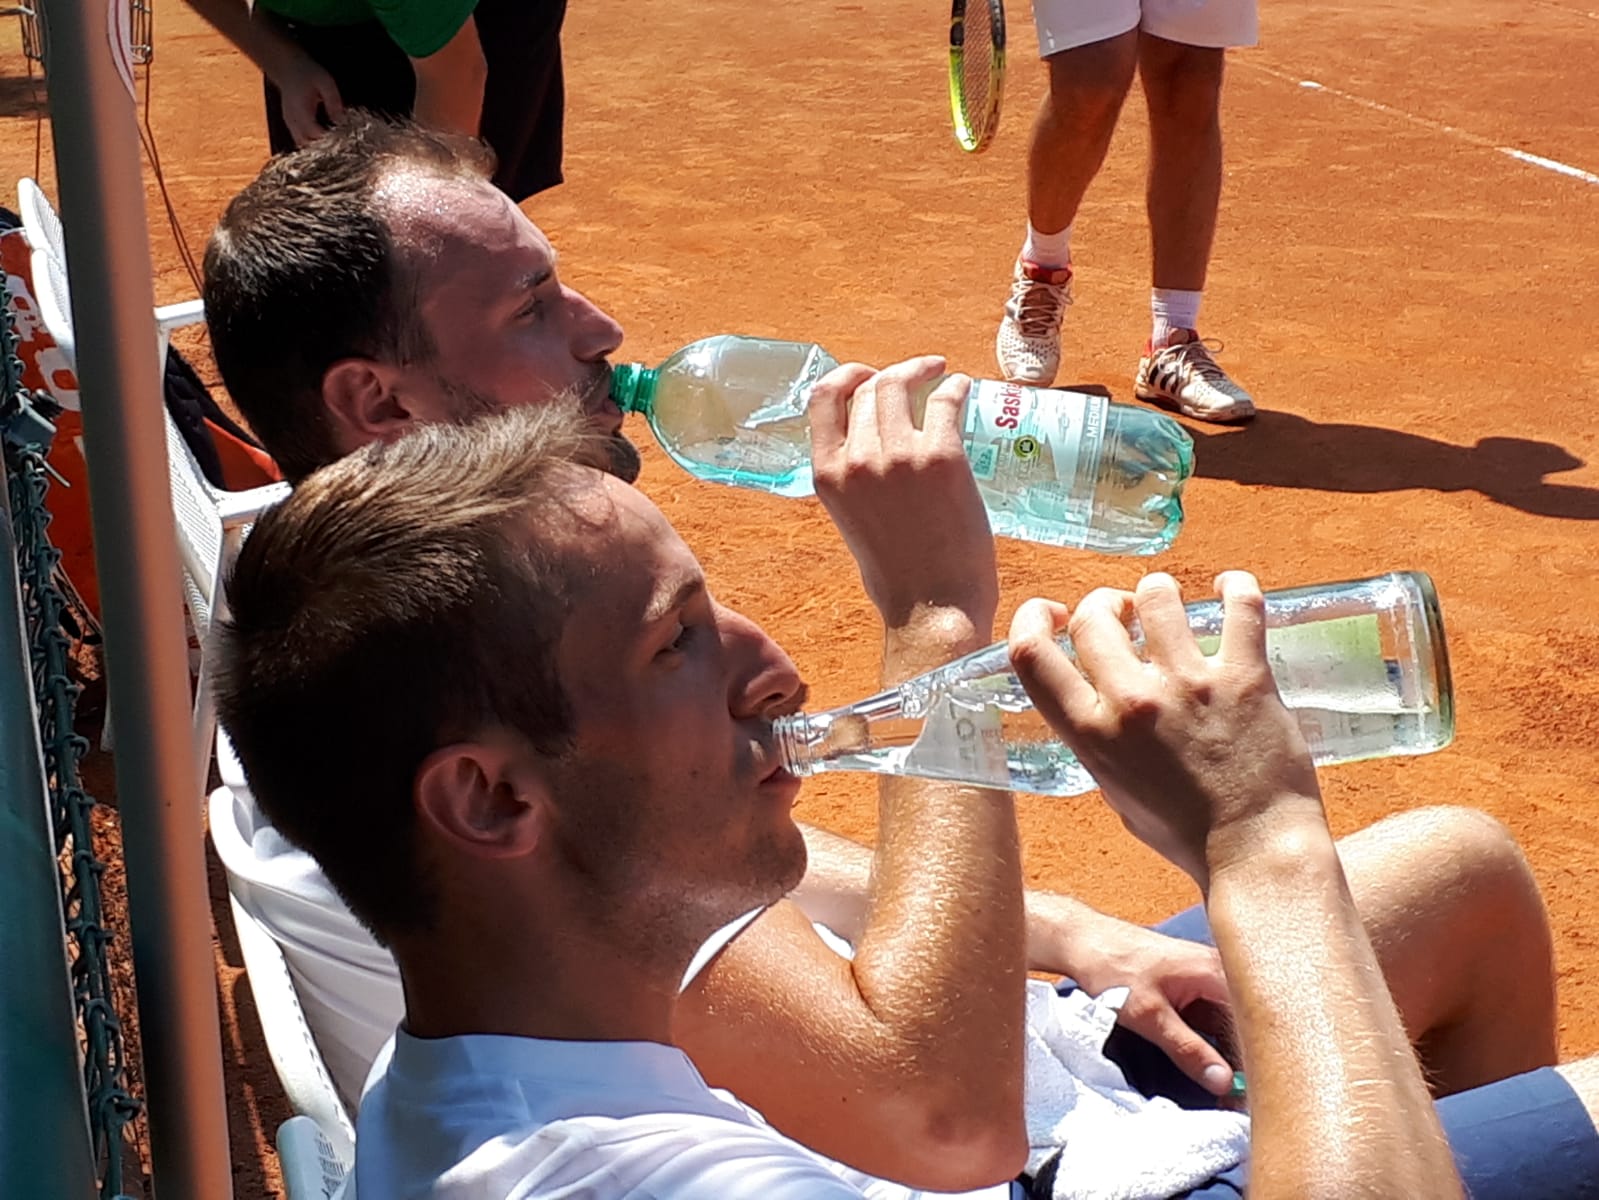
x: 1404, y: 278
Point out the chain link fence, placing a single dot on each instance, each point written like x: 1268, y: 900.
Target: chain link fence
x: 54, y: 623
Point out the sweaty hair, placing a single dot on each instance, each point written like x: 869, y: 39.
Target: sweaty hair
x: 302, y: 272
x: 402, y: 599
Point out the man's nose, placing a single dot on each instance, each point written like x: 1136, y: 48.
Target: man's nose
x: 595, y: 333
x: 765, y: 682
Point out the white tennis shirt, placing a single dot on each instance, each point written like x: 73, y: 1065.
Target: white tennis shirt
x: 482, y: 1117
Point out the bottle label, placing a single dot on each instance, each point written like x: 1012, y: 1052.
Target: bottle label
x: 1025, y: 445
x: 963, y: 743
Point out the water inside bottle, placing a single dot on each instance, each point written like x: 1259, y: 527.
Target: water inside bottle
x: 1367, y: 685
x: 735, y: 411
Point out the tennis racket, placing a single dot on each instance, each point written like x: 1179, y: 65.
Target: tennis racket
x: 976, y: 70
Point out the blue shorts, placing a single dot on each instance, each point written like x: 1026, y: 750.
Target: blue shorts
x: 1521, y: 1138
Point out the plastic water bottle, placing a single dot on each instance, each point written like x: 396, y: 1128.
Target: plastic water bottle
x: 1060, y: 467
x: 1363, y: 666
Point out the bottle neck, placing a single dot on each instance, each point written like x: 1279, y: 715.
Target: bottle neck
x: 633, y: 387
x: 807, y: 742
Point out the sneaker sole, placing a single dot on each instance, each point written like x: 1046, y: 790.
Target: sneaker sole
x: 1161, y: 400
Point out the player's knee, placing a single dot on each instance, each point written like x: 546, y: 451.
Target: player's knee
x: 1088, y: 89
x: 1482, y: 854
x: 1184, y: 89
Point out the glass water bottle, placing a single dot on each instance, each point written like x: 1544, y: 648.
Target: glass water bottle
x: 1363, y: 666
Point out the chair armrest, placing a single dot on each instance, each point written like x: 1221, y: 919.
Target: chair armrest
x: 241, y: 508
x: 175, y: 316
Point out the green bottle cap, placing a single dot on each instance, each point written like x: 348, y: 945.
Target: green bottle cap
x: 632, y: 387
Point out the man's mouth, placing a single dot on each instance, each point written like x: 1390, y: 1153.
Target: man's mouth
x: 600, y: 401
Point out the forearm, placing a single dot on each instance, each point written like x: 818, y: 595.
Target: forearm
x: 451, y: 107
x: 1338, y: 1101
x: 450, y: 84
x: 940, y: 956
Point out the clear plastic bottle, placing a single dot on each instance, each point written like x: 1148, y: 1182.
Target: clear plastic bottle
x: 1060, y: 467
x: 1362, y: 664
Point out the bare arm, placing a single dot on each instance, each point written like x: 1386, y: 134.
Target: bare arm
x: 906, y: 1062
x: 838, y: 875
x: 1203, y: 763
x: 1164, y: 975
x: 1339, y: 1104
x: 450, y: 82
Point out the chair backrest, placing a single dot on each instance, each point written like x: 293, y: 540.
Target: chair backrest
x: 42, y: 228
x: 290, y: 1041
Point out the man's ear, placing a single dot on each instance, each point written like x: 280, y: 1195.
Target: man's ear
x: 363, y: 402
x: 484, y: 798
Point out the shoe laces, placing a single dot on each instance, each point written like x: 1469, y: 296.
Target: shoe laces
x: 1036, y: 305
x: 1194, y: 358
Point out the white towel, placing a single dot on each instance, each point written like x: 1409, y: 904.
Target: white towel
x: 1113, y: 1142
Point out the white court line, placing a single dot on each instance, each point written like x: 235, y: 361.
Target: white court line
x: 1550, y: 164
x: 1567, y: 9
x: 1534, y: 160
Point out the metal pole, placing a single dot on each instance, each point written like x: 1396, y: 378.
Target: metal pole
x: 102, y: 211
x: 44, y: 1126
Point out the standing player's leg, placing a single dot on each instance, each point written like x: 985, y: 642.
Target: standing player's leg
x: 1091, y: 53
x: 1181, y: 52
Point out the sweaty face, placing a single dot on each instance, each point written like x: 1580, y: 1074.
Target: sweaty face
x: 673, y: 804
x: 505, y: 330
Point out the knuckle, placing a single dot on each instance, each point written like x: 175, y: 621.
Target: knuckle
x: 1027, y: 653
x: 827, y: 473
x: 1247, y: 598
x: 1140, y: 708
x: 1141, y: 1007
x: 1077, y: 622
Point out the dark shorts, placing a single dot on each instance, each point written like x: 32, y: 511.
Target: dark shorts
x: 1517, y: 1139
x: 524, y: 100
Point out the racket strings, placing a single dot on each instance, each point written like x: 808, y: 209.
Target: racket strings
x: 976, y: 61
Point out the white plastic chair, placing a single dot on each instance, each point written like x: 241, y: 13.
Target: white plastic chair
x: 312, y: 1168
x: 42, y: 228
x: 290, y: 1042
x: 211, y: 522
x: 211, y: 525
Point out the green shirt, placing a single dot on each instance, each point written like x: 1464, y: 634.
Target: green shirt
x: 419, y: 27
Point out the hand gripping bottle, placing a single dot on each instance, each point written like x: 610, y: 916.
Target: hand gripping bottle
x: 1362, y: 665
x: 1060, y: 467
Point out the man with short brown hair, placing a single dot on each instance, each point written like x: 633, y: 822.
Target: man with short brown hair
x: 376, y: 279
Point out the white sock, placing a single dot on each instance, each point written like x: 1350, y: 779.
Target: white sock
x: 1048, y: 249
x: 1172, y: 309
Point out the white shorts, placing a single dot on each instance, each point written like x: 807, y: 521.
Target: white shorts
x: 1067, y: 24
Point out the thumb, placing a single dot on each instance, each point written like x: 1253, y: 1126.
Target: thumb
x: 1194, y: 1056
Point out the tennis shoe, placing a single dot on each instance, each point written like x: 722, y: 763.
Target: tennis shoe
x: 1183, y: 375
x: 1028, y: 343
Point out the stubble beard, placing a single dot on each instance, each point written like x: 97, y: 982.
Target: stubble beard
x: 622, y: 457
x: 638, y: 898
